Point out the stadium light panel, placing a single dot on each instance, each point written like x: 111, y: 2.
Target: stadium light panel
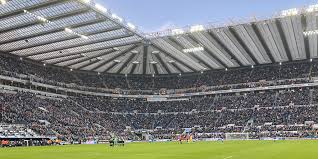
x: 117, y: 17
x: 135, y: 51
x: 136, y: 62
x: 116, y: 48
x: 72, y: 32
x: 312, y: 8
x: 100, y: 8
x: 177, y: 31
x: 68, y: 30
x: 226, y: 69
x: 86, y: 1
x: 131, y: 26
x: 195, y: 49
x: 171, y: 61
x: 153, y: 62
x: 155, y: 52
x: 42, y: 19
x: 99, y: 58
x: 280, y: 63
x: 289, y: 12
x: 197, y: 28
x: 117, y: 61
x: 83, y: 36
x: 310, y: 60
x: 3, y: 2
x: 311, y: 32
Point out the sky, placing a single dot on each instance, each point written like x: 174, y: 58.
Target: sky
x: 158, y: 15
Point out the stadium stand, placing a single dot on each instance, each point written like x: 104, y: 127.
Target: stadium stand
x: 279, y: 112
x: 75, y: 90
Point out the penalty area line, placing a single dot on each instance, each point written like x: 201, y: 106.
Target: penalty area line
x: 228, y: 157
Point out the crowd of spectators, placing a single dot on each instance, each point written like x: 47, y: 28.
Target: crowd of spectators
x: 90, y: 116
x: 233, y: 78
x: 82, y: 116
x: 269, y: 98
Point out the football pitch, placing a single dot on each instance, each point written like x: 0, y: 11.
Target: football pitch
x: 172, y: 150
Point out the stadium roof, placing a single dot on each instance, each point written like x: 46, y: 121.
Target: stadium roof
x: 83, y: 35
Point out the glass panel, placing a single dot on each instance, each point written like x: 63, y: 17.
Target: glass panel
x: 79, y: 41
x: 58, y: 24
x: 58, y: 36
x: 14, y: 5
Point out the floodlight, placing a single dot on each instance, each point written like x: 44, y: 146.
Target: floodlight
x: 83, y: 36
x: 177, y: 31
x: 135, y: 51
x: 312, y: 8
x: 311, y: 32
x: 131, y: 26
x: 100, y: 8
x: 86, y: 1
x: 195, y: 49
x: 117, y: 17
x: 153, y: 62
x: 197, y: 28
x: 3, y: 2
x: 42, y: 19
x: 68, y: 30
x: 289, y: 12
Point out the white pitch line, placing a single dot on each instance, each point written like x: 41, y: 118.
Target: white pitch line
x: 228, y: 157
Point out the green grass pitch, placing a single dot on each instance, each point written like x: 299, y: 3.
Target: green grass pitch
x: 172, y: 150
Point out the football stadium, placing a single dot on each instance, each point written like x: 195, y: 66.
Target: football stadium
x: 79, y: 81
